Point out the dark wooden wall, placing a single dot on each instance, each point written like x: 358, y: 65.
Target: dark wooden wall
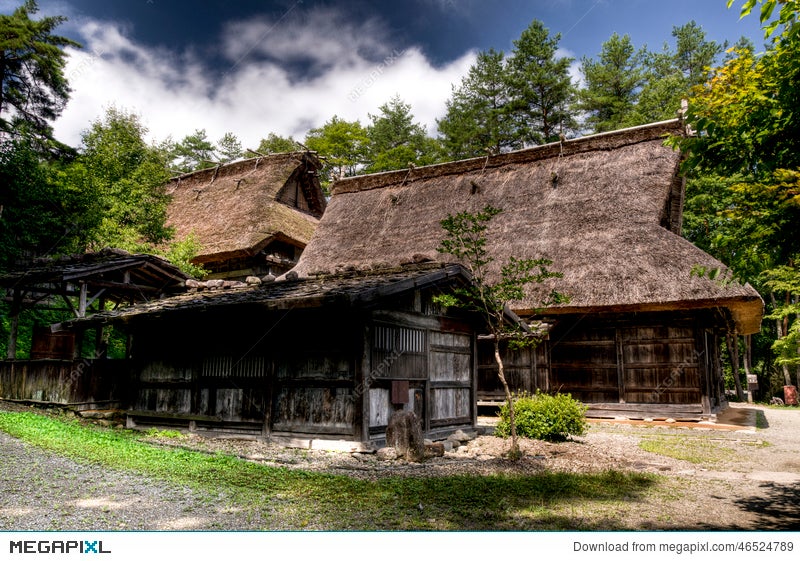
x: 266, y: 374
x: 642, y: 364
x: 421, y: 360
x: 526, y: 370
x: 80, y: 383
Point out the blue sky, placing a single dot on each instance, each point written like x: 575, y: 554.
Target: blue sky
x: 255, y: 67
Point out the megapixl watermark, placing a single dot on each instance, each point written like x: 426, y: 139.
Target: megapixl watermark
x: 365, y: 84
x: 667, y: 383
x: 378, y: 371
x: 57, y: 546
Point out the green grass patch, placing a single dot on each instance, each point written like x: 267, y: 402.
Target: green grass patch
x: 697, y: 450
x: 295, y: 499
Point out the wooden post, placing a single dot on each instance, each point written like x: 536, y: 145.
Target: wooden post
x: 620, y: 363
x: 99, y: 344
x: 82, y: 300
x: 16, y: 308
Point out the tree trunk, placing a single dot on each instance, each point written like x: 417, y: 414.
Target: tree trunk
x: 514, y: 452
x: 733, y: 351
x: 748, y: 356
x: 787, y: 376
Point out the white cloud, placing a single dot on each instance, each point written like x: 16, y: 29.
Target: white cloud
x: 352, y: 69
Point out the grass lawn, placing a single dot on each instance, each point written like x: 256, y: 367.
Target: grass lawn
x: 294, y: 499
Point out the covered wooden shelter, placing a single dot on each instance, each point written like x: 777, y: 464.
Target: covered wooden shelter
x: 251, y: 217
x: 84, y: 283
x: 640, y: 335
x: 321, y: 361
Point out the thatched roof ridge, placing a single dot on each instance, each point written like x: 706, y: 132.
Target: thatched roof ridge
x: 596, y: 142
x: 236, y: 209
x: 605, y: 210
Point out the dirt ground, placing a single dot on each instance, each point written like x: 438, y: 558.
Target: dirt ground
x: 742, y: 472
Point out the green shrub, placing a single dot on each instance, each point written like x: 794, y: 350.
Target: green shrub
x: 544, y: 417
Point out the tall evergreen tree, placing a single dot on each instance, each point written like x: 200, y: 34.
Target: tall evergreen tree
x: 228, y: 148
x: 612, y: 85
x: 671, y: 74
x: 479, y: 113
x: 194, y: 152
x: 396, y: 141
x: 542, y: 86
x: 32, y: 59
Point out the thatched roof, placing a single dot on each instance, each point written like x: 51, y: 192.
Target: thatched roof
x: 606, y: 209
x: 237, y: 209
x: 343, y: 290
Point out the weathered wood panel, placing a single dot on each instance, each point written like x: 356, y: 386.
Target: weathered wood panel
x: 647, y: 359
x: 314, y: 365
x: 311, y: 410
x: 83, y: 382
x: 526, y: 370
x: 584, y: 363
x: 47, y: 345
x: 402, y: 350
x: 448, y: 404
x: 381, y: 407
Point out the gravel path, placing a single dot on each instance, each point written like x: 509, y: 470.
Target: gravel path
x: 751, y: 482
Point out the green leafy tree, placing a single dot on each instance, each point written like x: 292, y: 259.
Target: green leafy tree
x: 543, y: 90
x: 748, y: 130
x: 181, y: 252
x: 342, y: 144
x: 33, y: 220
x: 127, y: 176
x: 612, y: 85
x: 465, y: 240
x: 276, y: 144
x: 32, y: 59
x: 787, y: 18
x: 671, y: 74
x: 229, y: 148
x: 194, y: 152
x: 396, y: 141
x: 479, y: 114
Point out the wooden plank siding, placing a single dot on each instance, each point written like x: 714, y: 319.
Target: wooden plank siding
x: 81, y: 383
x: 633, y: 365
x: 315, y: 373
x: 525, y: 369
x: 646, y: 364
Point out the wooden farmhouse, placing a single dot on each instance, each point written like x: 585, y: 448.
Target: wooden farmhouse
x: 251, y: 217
x: 640, y: 335
x: 321, y: 361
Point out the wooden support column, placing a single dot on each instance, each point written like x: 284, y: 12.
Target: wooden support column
x: 16, y: 309
x: 100, y: 349
x: 620, y: 364
x: 81, y: 312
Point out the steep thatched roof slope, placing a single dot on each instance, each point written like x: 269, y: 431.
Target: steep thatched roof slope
x: 237, y: 209
x: 604, y: 208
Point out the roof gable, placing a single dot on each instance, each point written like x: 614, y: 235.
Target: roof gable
x: 236, y: 209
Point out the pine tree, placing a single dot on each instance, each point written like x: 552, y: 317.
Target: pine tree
x: 478, y: 113
x: 612, y: 85
x: 34, y: 89
x: 542, y: 87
